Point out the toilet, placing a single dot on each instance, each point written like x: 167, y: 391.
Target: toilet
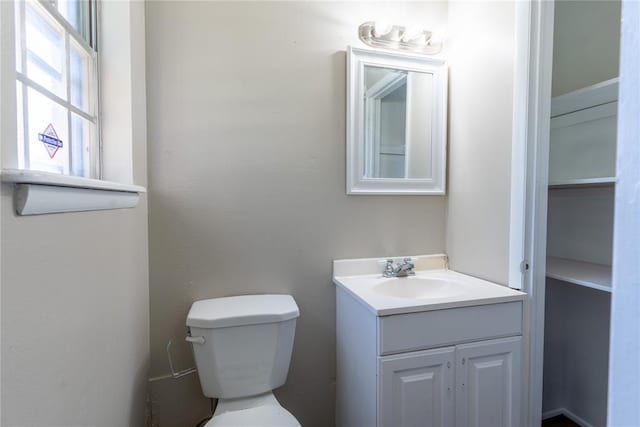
x: 242, y: 347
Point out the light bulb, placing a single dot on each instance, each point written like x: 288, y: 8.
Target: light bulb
x: 381, y: 28
x: 413, y: 34
x: 438, y: 37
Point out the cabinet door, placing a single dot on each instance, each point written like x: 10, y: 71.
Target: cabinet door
x: 488, y: 383
x: 416, y: 389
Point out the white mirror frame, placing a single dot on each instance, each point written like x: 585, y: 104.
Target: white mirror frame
x: 357, y: 183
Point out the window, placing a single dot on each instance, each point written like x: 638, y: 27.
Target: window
x: 57, y: 87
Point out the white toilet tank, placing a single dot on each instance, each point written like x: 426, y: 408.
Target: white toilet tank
x: 242, y: 344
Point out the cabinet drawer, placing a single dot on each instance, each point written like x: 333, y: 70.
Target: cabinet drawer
x: 438, y: 328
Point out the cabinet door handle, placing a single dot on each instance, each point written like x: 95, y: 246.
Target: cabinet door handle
x: 448, y: 365
x: 463, y: 360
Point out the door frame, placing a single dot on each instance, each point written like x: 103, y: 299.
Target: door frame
x: 373, y: 111
x: 529, y: 183
x: 624, y: 349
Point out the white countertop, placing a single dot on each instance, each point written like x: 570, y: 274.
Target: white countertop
x: 472, y: 291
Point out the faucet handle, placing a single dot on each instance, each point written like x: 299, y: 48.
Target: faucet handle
x: 388, y: 269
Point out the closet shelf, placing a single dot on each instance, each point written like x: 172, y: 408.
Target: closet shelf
x: 583, y: 183
x: 595, y: 276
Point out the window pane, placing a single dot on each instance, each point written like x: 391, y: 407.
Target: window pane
x: 48, y: 139
x: 80, y: 72
x: 45, y: 44
x: 57, y: 76
x: 77, y: 13
x: 83, y: 132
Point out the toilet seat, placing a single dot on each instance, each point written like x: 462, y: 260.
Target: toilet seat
x: 258, y: 411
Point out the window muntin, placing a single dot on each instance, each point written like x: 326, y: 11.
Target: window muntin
x: 57, y: 87
x: 78, y: 14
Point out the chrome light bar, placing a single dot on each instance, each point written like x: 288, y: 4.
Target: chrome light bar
x: 382, y: 35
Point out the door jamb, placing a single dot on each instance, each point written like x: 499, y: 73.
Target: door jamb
x: 529, y: 184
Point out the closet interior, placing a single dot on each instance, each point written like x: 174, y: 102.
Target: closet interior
x: 582, y: 177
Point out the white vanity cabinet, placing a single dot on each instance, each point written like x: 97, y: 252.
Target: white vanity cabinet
x: 458, y: 366
x: 475, y: 384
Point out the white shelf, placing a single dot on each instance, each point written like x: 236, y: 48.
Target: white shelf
x: 595, y: 276
x: 25, y: 176
x: 37, y: 193
x: 584, y: 182
x: 597, y: 94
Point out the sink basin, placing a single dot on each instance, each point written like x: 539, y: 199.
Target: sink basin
x: 418, y: 288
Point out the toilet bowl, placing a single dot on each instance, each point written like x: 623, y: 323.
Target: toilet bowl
x: 242, y: 346
x: 262, y: 410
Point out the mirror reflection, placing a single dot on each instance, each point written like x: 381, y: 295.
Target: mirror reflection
x: 397, y: 121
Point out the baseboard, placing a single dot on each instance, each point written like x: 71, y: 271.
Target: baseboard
x: 567, y: 413
x: 576, y: 419
x: 553, y: 413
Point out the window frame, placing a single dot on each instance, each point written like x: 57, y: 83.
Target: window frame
x: 123, y: 134
x: 89, y: 46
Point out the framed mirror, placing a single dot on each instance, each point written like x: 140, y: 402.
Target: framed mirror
x: 396, y: 123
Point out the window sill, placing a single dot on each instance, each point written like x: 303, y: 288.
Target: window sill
x: 39, y: 193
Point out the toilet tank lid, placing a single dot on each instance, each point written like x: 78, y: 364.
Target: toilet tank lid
x: 242, y: 310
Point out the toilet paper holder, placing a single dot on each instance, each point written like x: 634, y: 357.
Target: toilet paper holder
x: 174, y: 374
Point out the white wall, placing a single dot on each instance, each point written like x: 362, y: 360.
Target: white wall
x: 6, y: 104
x: 624, y: 371
x: 75, y: 296
x: 481, y: 59
x: 586, y: 43
x: 246, y: 110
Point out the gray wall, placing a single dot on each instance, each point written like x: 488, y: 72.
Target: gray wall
x: 75, y: 323
x: 246, y: 110
x: 576, y: 356
x: 246, y: 107
x: 586, y: 43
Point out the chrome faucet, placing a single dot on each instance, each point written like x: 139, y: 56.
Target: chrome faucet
x: 399, y: 270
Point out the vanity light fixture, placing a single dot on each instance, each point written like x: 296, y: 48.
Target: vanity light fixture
x: 384, y: 35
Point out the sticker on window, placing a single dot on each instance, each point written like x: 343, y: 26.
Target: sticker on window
x: 50, y: 140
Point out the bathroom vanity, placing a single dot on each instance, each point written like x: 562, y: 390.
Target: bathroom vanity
x: 435, y: 349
